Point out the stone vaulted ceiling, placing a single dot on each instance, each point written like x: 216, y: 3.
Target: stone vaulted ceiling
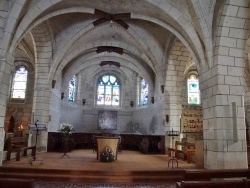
x: 142, y: 30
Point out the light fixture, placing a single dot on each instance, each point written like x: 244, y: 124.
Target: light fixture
x: 110, y: 23
x: 62, y: 96
x: 167, y: 118
x: 83, y: 101
x: 131, y: 103
x: 53, y: 83
x: 152, y: 100
x: 20, y: 129
x: 162, y: 88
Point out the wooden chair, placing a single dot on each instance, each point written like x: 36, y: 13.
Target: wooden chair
x: 18, y: 144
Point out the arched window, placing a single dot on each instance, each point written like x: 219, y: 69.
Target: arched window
x: 193, y: 90
x: 72, y: 89
x: 19, y: 83
x: 144, y: 92
x: 108, y: 91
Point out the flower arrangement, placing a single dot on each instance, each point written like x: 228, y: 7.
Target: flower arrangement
x: 66, y: 129
x: 107, y: 155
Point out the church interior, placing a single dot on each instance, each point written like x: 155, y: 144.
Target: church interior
x: 169, y: 78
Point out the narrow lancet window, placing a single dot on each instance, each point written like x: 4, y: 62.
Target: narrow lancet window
x: 19, y: 83
x: 72, y: 89
x: 193, y: 90
x: 144, y: 92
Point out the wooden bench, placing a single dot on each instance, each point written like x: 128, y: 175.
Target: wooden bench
x: 18, y: 144
x: 214, y: 184
x: 13, y: 182
x: 186, y: 149
x: 215, y: 178
x: 207, y: 175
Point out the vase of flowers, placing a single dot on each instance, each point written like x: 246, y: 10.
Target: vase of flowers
x: 107, y: 155
x: 66, y: 130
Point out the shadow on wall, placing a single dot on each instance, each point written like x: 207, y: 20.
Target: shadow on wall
x: 132, y: 128
x: 136, y: 128
x: 152, y: 125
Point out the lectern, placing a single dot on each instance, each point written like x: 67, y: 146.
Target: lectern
x: 36, y: 127
x: 173, y: 159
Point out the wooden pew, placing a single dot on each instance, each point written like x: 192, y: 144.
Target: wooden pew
x: 18, y: 144
x: 208, y: 175
x: 213, y: 184
x: 16, y: 183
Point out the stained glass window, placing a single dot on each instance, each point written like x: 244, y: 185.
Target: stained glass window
x: 19, y: 83
x: 72, y: 89
x: 144, y: 92
x: 108, y: 91
x: 193, y: 90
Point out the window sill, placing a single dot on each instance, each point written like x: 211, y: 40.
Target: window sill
x: 17, y: 100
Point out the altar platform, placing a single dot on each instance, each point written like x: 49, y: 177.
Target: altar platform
x: 131, y: 168
x: 85, y: 159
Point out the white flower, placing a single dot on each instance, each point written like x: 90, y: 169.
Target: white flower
x: 66, y: 129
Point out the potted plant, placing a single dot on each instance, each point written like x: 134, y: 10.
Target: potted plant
x: 107, y: 155
x: 66, y: 130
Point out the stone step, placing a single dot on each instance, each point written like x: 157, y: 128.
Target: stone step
x: 92, y: 176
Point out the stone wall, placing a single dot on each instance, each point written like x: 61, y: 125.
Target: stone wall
x: 137, y: 121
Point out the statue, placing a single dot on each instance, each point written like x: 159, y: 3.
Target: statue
x: 12, y: 121
x: 12, y: 124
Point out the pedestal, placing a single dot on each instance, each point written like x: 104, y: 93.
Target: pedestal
x: 65, y: 147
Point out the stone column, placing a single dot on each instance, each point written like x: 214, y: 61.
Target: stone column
x: 173, y: 89
x: 42, y: 87
x: 224, y: 120
x: 223, y: 86
x: 5, y: 71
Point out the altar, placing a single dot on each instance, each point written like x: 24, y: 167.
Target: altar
x: 110, y: 141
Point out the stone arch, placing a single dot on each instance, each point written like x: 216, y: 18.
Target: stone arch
x: 83, y: 48
x: 11, y: 23
x: 125, y: 62
x: 42, y: 7
x: 24, y: 108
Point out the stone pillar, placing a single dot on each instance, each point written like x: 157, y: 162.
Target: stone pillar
x: 5, y: 71
x: 223, y: 86
x: 173, y: 89
x: 224, y: 120
x: 42, y: 88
